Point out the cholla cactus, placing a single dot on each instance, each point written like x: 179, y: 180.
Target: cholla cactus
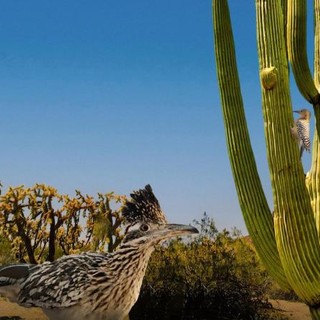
x: 42, y: 225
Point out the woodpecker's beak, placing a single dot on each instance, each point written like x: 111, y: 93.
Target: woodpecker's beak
x: 296, y: 111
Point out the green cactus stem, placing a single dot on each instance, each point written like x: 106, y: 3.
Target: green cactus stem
x: 251, y: 196
x: 288, y: 241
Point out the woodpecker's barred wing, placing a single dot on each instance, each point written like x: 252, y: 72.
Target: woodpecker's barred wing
x: 303, y: 128
x: 143, y: 207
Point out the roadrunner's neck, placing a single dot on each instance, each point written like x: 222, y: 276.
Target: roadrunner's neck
x: 127, y: 266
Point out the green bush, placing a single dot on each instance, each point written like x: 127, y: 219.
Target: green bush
x: 217, y: 276
x: 6, y: 255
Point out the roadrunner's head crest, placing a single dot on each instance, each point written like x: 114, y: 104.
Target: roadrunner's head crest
x: 143, y: 207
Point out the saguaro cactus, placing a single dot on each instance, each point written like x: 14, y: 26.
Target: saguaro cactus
x: 287, y: 240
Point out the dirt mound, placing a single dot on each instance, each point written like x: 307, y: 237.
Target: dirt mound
x: 292, y: 310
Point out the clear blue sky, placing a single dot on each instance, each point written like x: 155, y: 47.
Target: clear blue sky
x: 111, y: 95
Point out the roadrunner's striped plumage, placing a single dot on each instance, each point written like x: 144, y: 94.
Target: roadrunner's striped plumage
x: 95, y: 285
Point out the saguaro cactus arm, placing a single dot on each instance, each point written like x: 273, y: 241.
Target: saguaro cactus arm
x: 297, y: 51
x: 250, y: 192
x: 296, y: 31
x: 295, y: 229
x: 292, y: 242
x: 317, y: 44
x: 313, y: 178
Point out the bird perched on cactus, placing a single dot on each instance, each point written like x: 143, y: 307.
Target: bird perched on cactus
x: 95, y: 285
x: 301, y: 130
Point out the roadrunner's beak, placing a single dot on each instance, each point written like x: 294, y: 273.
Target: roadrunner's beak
x: 173, y: 230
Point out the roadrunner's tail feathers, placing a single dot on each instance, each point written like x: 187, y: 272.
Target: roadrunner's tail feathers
x: 11, y: 273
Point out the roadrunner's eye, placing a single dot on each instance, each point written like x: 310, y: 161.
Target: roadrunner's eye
x: 144, y: 227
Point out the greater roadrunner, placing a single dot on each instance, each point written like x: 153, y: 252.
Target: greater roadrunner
x: 95, y: 285
x: 301, y: 130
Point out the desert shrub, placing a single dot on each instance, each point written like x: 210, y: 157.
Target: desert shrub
x: 217, y: 276
x: 275, y: 292
x: 6, y: 255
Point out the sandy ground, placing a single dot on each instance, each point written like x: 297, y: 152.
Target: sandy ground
x: 12, y: 309
x: 293, y: 310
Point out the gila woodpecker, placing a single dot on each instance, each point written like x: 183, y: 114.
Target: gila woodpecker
x: 301, y: 130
